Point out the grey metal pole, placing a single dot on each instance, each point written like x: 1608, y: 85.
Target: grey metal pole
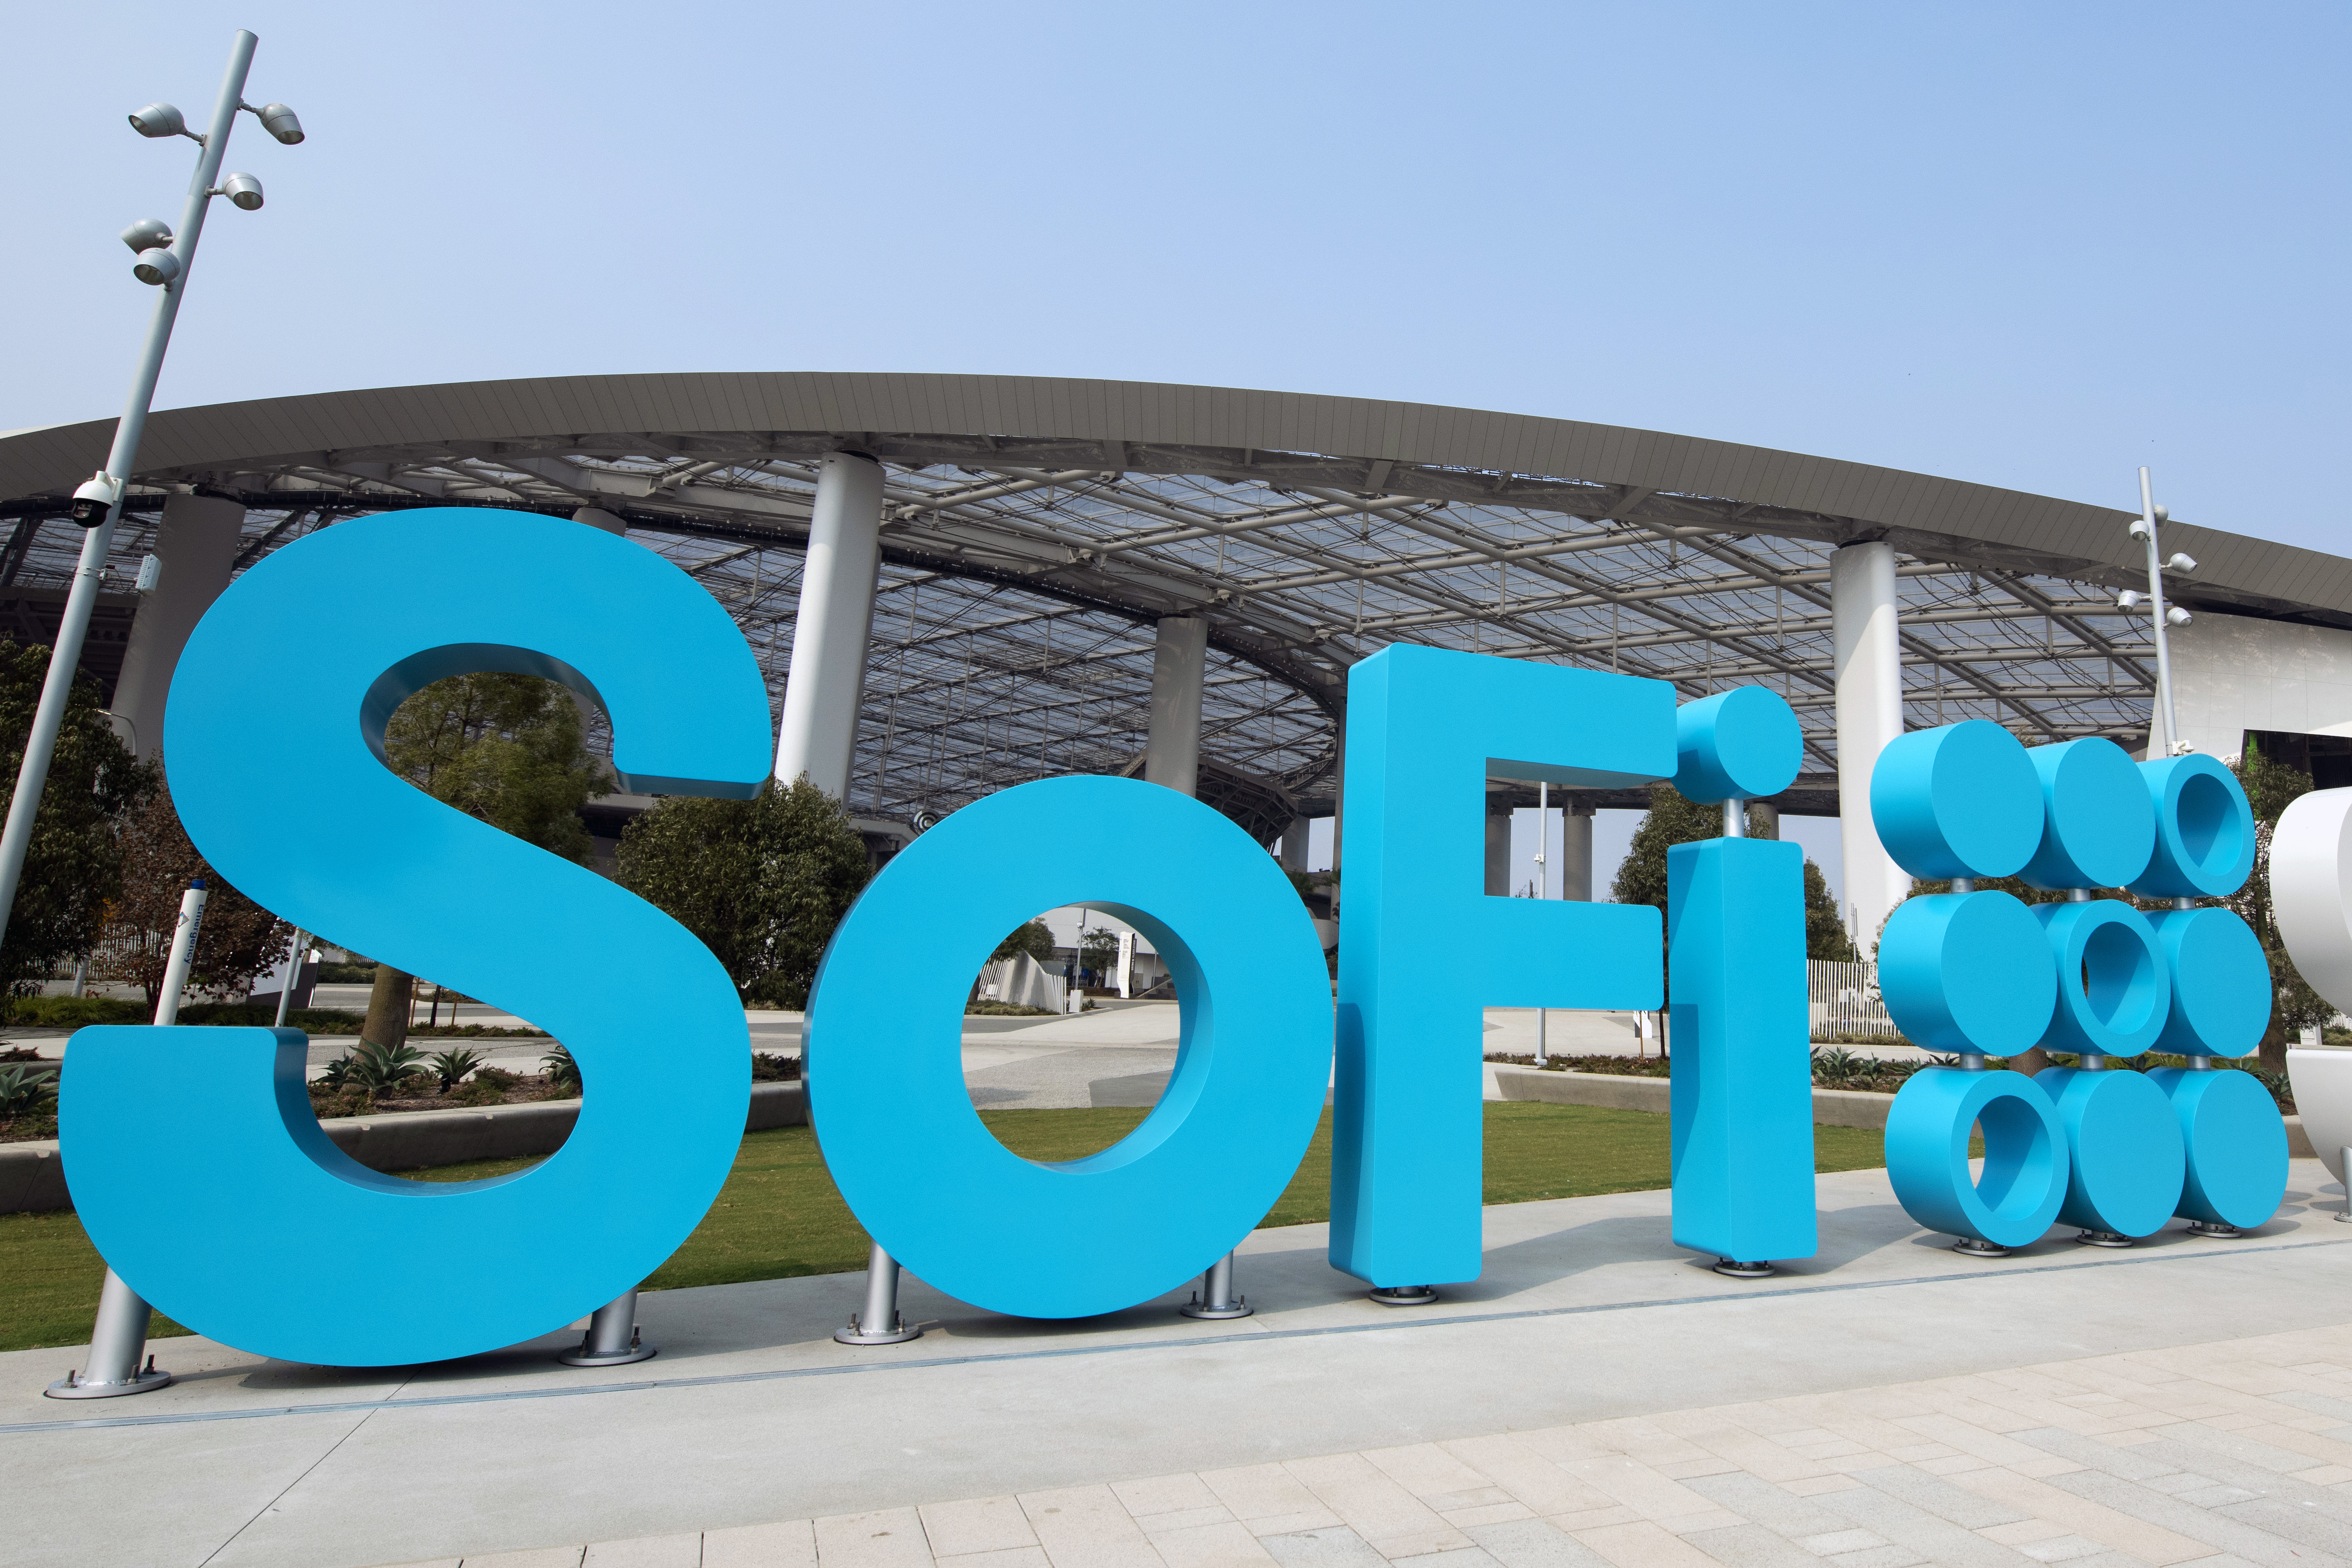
x: 65, y: 658
x: 293, y: 976
x: 613, y: 1338
x: 880, y: 1323
x: 119, y: 1335
x: 1215, y: 1298
x: 2164, y: 714
x: 1543, y: 889
x: 2344, y: 1163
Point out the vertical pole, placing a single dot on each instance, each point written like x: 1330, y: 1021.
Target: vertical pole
x: 119, y: 1335
x: 1576, y: 852
x: 817, y: 732
x: 613, y: 1338
x: 197, y: 544
x: 73, y: 627
x: 1869, y: 672
x: 1172, y: 747
x: 293, y: 976
x: 1543, y: 890
x: 1499, y: 849
x: 880, y: 1322
x: 2166, y: 721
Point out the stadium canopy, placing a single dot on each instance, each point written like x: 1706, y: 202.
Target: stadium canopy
x: 1035, y: 530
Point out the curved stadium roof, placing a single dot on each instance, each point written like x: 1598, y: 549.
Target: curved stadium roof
x: 1037, y: 528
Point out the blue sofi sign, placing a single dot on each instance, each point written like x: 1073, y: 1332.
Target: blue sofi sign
x: 303, y: 816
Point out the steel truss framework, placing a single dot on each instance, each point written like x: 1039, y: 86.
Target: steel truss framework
x: 1022, y: 577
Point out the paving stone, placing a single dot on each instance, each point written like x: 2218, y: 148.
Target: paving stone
x: 646, y: 1551
x: 1775, y: 1508
x: 1935, y: 1496
x: 1751, y: 1546
x: 1532, y: 1543
x: 2183, y: 1518
x: 789, y: 1544
x: 1917, y: 1529
x: 1336, y: 1547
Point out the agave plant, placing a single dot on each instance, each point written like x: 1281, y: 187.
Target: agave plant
x: 563, y: 1072
x: 453, y: 1065
x: 380, y: 1068
x: 23, y: 1091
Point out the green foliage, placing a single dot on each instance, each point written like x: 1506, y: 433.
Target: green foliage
x: 26, y: 1091
x: 562, y: 1073
x: 2271, y: 787
x: 73, y: 1013
x: 376, y: 1069
x: 504, y: 748
x: 1033, y: 939
x: 763, y: 883
x: 1098, y: 949
x: 73, y: 866
x: 1673, y: 820
x: 452, y: 1066
x: 985, y: 1008
x: 237, y: 940
x: 769, y: 1068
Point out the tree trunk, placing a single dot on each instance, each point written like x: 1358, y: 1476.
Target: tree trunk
x: 2271, y: 1055
x: 387, y: 1015
x: 2029, y: 1062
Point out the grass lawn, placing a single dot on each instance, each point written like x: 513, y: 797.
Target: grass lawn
x: 779, y: 1215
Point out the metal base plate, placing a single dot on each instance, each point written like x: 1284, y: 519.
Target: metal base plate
x: 70, y: 1388
x: 1240, y: 1309
x: 586, y: 1357
x: 899, y: 1334
x: 1731, y: 1268
x: 2103, y: 1238
x: 2214, y: 1228
x: 1978, y: 1247
x: 1404, y: 1295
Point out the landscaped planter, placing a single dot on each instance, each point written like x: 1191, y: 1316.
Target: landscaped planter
x: 31, y: 1177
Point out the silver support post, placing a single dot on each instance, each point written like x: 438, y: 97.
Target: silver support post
x: 880, y: 1323
x: 73, y: 627
x: 2344, y: 1163
x: 1215, y: 1298
x: 1735, y: 818
x: 120, y: 1336
x: 81, y: 976
x: 613, y: 1338
x: 1543, y: 890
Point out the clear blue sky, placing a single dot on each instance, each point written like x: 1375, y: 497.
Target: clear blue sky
x: 2026, y: 245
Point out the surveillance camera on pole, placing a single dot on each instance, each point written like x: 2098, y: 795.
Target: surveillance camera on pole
x: 163, y: 260
x: 2166, y: 741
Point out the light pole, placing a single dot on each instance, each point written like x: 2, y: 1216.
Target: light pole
x: 164, y: 261
x: 2166, y: 739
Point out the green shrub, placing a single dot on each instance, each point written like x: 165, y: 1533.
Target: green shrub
x: 24, y: 1091
x: 73, y: 1012
x: 451, y: 1066
x: 767, y: 1068
x: 562, y: 1074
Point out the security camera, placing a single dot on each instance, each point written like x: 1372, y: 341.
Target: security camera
x: 158, y: 120
x: 147, y: 234
x: 157, y: 266
x: 244, y: 190
x: 95, y: 498
x: 2180, y: 563
x: 278, y: 120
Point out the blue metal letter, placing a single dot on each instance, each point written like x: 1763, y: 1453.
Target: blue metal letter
x: 921, y: 1171
x: 249, y: 1225
x: 1421, y: 951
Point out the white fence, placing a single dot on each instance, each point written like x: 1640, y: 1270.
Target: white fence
x: 1845, y: 1001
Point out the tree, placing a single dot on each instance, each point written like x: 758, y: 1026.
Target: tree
x: 505, y: 750
x: 1673, y: 819
x: 763, y: 883
x: 1034, y: 938
x: 236, y: 941
x: 73, y: 866
x: 2271, y: 787
x: 1098, y: 951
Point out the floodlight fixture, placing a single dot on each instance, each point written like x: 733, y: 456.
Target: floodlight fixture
x: 147, y: 234
x: 243, y: 189
x: 95, y: 498
x: 2128, y: 600
x: 2160, y: 513
x: 2178, y: 616
x: 160, y: 119
x: 277, y: 119
x: 157, y: 266
x: 2140, y: 530
x: 2179, y: 563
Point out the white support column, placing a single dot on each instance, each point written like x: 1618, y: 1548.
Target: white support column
x: 1573, y: 861
x: 197, y: 544
x: 1869, y: 669
x: 1766, y: 819
x: 1498, y: 846
x: 1293, y: 844
x: 1172, y: 751
x: 817, y: 734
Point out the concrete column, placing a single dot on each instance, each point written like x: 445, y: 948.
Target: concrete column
x: 817, y: 734
x: 1172, y: 751
x: 1764, y: 821
x: 1571, y: 862
x: 1869, y: 669
x: 1293, y: 844
x: 598, y: 518
x: 1498, y: 848
x: 197, y: 545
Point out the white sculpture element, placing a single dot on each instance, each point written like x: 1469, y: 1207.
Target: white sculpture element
x: 2311, y: 877
x: 2323, y: 1098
